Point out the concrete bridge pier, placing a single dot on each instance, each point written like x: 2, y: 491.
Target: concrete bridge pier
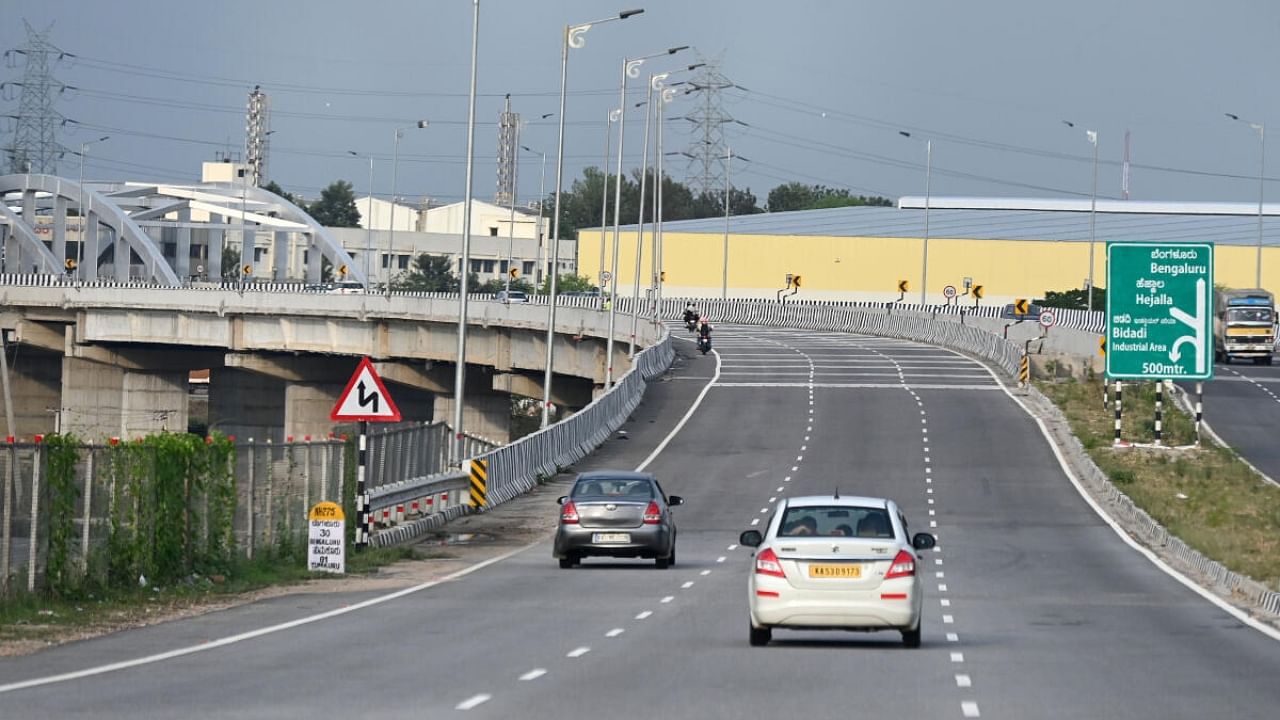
x: 100, y: 400
x: 35, y: 382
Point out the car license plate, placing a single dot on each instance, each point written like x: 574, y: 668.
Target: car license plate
x: 611, y: 537
x: 835, y: 571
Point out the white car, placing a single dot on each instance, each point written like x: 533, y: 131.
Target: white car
x: 836, y: 563
x: 511, y: 296
x: 347, y: 287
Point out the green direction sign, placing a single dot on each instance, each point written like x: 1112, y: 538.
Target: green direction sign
x: 1160, y: 311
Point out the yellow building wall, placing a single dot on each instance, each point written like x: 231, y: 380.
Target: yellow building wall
x: 869, y: 268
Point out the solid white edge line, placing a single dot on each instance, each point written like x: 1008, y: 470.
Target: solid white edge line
x: 692, y: 409
x: 232, y: 639
x: 1187, y: 582
x: 472, y: 701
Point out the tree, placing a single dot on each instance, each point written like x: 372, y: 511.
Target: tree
x: 336, y: 206
x: 799, y: 196
x: 273, y: 187
x: 1074, y: 299
x: 428, y: 273
x: 230, y: 262
x: 568, y: 283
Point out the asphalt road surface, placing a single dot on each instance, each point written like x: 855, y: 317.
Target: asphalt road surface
x: 1242, y: 405
x: 1034, y: 606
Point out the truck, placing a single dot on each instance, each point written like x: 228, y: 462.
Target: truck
x: 1244, y: 325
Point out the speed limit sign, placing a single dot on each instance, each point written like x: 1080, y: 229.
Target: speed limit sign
x: 1048, y: 319
x: 949, y: 292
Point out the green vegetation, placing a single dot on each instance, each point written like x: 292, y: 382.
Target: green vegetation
x: 1205, y: 496
x: 1074, y: 299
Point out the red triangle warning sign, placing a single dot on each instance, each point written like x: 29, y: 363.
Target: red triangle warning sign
x: 365, y: 398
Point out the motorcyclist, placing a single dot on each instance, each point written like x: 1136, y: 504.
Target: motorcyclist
x: 704, y: 334
x: 690, y: 315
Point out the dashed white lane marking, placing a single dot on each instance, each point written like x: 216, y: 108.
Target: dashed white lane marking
x: 963, y: 680
x: 780, y: 487
x: 957, y: 657
x: 644, y: 614
x: 764, y: 510
x: 755, y: 521
x: 688, y: 584
x: 806, y: 439
x: 928, y: 471
x: 775, y: 497
x: 944, y: 602
x: 533, y: 674
x: 615, y: 632
x: 940, y: 574
x: 933, y: 523
x: 929, y: 490
x: 797, y: 467
x: 578, y: 652
x: 667, y: 599
x: 947, y: 619
x: 720, y: 559
x: 970, y: 709
x: 809, y: 429
x: 953, y: 637
x: 932, y: 512
x: 472, y: 701
x: 930, y: 501
x: 705, y: 572
x: 733, y: 547
x: 942, y: 587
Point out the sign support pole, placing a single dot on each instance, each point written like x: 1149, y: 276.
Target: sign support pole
x: 1119, y: 391
x: 1199, y: 409
x: 1159, y: 409
x: 362, y: 493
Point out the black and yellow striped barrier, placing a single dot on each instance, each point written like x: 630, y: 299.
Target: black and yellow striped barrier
x: 479, y: 483
x: 1024, y: 375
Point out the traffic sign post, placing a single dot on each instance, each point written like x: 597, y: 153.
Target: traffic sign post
x: 364, y: 400
x: 949, y: 292
x: 1048, y: 320
x: 1159, y: 311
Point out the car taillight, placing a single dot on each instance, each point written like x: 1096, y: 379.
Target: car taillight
x: 652, y: 515
x: 904, y: 565
x: 569, y: 513
x: 767, y: 563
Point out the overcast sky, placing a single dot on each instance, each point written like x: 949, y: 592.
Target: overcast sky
x: 824, y: 87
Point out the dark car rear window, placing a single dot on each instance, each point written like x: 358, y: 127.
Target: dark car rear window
x: 836, y: 521
x: 638, y: 489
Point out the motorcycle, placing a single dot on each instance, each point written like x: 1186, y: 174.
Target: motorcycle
x: 704, y: 344
x: 692, y: 323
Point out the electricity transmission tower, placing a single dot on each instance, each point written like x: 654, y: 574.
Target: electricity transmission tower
x: 34, y: 147
x: 707, y: 150
x: 257, y: 128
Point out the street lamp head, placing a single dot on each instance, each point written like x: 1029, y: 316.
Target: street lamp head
x: 1068, y: 123
x: 628, y: 13
x: 674, y: 50
x: 423, y: 123
x: 1233, y: 116
x: 353, y: 152
x: 547, y: 115
x: 904, y: 133
x: 695, y: 66
x: 104, y: 137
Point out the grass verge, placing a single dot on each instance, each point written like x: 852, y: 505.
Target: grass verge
x: 1206, y: 495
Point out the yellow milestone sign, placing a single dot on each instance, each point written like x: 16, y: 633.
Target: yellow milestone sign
x: 327, y: 538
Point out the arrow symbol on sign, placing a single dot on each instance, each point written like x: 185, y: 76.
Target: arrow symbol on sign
x: 371, y: 398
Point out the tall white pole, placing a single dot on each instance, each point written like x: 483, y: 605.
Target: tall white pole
x: 928, y: 184
x: 657, y: 214
x: 84, y: 214
x: 644, y: 176
x: 1262, y: 165
x: 368, y: 231
x: 611, y: 296
x: 724, y: 271
x: 1093, y: 215
x: 542, y: 180
x: 604, y: 193
x: 460, y: 375
x: 391, y: 235
x: 573, y: 38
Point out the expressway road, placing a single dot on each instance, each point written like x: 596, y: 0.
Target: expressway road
x: 1035, y: 608
x: 1242, y: 405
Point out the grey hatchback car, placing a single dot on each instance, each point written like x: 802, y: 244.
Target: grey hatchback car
x: 616, y: 514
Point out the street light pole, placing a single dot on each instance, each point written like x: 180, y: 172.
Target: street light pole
x: 604, y: 191
x: 630, y: 69
x: 511, y: 224
x: 928, y: 188
x: 395, y: 165
x: 460, y: 373
x: 368, y: 221
x: 724, y: 269
x: 84, y: 215
x: 574, y: 37
x: 1261, y: 128
x: 1093, y: 213
x: 542, y: 179
x: 655, y: 83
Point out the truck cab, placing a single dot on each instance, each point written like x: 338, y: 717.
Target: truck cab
x: 1244, y: 325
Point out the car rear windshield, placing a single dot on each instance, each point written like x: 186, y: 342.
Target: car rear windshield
x: 836, y: 521
x: 634, y: 489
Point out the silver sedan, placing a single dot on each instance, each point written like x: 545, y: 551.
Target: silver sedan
x: 616, y: 514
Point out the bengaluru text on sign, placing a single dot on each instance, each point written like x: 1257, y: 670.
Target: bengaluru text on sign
x: 1160, y: 311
